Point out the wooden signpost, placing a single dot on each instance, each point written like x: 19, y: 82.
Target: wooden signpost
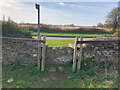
x: 75, y: 55
x: 80, y: 55
x: 43, y: 54
x: 39, y: 54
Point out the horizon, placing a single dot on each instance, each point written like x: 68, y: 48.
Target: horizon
x: 59, y: 13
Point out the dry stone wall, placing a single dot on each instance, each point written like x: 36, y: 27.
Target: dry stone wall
x: 26, y: 52
x: 101, y: 52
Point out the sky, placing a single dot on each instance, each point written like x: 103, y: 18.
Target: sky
x: 58, y: 13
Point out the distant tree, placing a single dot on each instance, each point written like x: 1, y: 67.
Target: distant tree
x: 119, y: 15
x: 72, y: 25
x: 9, y: 19
x: 100, y: 25
x: 112, y: 18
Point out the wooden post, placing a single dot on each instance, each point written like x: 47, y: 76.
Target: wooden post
x: 74, y: 55
x: 106, y: 66
x: 39, y: 54
x: 43, y: 54
x: 80, y: 55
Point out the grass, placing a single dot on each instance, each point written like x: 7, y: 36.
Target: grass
x: 28, y: 77
x: 59, y: 43
x: 75, y: 34
x: 64, y: 43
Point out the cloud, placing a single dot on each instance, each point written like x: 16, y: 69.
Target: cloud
x: 54, y: 14
x: 60, y: 1
x: 62, y: 4
x: 60, y: 17
x: 19, y: 12
x: 72, y: 5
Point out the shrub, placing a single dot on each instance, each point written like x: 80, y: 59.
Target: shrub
x: 12, y: 30
x: 117, y: 34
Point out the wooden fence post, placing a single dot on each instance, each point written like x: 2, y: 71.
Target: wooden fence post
x: 39, y: 54
x: 74, y: 55
x: 80, y: 55
x: 43, y: 54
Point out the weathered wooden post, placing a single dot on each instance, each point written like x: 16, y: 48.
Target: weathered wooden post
x: 39, y: 54
x: 43, y: 54
x: 74, y: 55
x: 80, y: 55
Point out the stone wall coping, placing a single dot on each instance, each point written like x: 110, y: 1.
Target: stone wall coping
x: 21, y: 39
x: 99, y: 41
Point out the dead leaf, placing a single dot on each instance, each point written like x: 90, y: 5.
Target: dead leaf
x: 10, y: 80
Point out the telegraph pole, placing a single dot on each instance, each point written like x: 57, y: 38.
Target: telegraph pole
x: 37, y: 6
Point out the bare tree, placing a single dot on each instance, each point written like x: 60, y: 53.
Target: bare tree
x: 119, y: 14
x: 112, y: 18
x: 100, y: 25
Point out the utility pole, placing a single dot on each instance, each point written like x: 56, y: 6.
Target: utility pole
x: 37, y: 6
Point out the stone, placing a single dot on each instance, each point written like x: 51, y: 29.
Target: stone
x: 45, y: 79
x: 52, y: 69
x: 31, y: 83
x: 69, y: 77
x: 60, y: 68
x: 53, y: 78
x: 10, y: 80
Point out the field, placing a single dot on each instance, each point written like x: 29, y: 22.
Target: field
x: 59, y: 43
x: 51, y: 30
x: 27, y: 30
x: 91, y: 76
x: 75, y: 34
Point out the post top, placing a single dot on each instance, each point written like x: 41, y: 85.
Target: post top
x: 37, y: 6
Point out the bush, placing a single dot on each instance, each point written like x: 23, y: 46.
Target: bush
x: 12, y: 30
x: 117, y: 34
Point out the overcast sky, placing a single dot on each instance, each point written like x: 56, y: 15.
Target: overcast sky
x: 78, y: 13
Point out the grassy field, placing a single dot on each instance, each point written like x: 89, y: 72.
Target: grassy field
x: 52, y: 30
x: 59, y: 43
x: 75, y: 34
x: 91, y: 76
x: 66, y: 42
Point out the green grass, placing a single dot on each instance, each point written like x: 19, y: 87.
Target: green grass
x: 75, y: 34
x: 64, y: 43
x: 28, y: 77
x: 59, y: 43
